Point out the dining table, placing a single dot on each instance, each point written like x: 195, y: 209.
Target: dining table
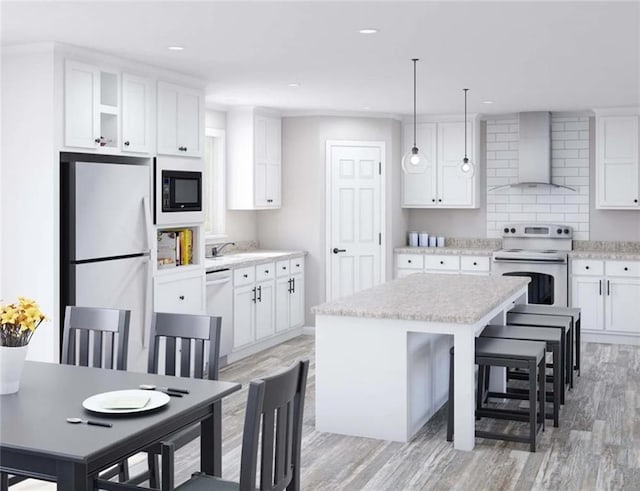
x: 37, y: 441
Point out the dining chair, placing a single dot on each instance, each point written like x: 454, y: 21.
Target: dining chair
x: 273, y: 425
x: 96, y: 337
x: 185, y: 345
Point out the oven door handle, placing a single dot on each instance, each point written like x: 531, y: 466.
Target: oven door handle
x: 527, y: 261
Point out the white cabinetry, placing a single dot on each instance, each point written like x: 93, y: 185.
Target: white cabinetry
x: 180, y: 120
x: 181, y: 292
x: 442, y: 185
x: 407, y: 264
x: 253, y: 304
x: 617, y: 162
x: 289, y: 294
x: 608, y: 294
x: 91, y: 107
x: 136, y: 114
x: 253, y: 160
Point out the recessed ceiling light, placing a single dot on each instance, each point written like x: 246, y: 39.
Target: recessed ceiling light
x: 487, y: 102
x: 294, y: 84
x: 368, y: 30
x: 175, y: 48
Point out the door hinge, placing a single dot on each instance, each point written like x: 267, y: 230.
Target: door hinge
x: 379, y: 239
x: 380, y: 168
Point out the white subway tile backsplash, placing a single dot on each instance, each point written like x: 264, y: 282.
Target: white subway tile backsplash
x: 569, y: 166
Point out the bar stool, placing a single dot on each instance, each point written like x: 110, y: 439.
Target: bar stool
x: 550, y: 321
x: 511, y: 354
x: 573, y: 312
x: 552, y: 338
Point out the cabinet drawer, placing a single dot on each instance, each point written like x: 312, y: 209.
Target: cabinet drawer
x: 282, y: 268
x: 410, y: 261
x: 443, y: 263
x: 587, y: 267
x: 475, y: 263
x: 297, y: 265
x: 179, y: 296
x: 265, y: 271
x: 623, y: 268
x: 244, y: 276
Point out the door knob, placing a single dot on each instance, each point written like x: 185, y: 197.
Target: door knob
x: 336, y: 250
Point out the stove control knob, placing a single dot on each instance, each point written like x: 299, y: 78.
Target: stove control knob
x: 566, y: 230
x: 559, y: 230
x: 513, y: 230
x: 506, y: 230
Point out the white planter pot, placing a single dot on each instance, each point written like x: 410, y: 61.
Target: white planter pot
x: 11, y: 363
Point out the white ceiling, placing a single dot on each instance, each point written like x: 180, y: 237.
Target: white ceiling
x: 522, y: 55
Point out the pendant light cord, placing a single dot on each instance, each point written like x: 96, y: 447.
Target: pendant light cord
x: 465, y: 122
x: 414, y: 100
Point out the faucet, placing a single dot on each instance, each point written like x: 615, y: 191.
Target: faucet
x: 215, y: 251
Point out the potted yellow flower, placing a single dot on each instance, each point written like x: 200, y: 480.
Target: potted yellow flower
x: 18, y: 322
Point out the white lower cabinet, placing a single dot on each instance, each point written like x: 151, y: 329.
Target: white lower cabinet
x: 608, y: 294
x: 181, y: 293
x: 268, y: 300
x: 407, y: 264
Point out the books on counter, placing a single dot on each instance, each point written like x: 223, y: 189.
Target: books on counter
x: 175, y: 247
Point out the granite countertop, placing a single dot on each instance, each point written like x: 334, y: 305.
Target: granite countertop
x: 463, y: 299
x: 447, y: 250
x: 619, y: 256
x: 601, y: 249
x: 249, y: 258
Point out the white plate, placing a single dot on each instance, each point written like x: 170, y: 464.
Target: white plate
x: 95, y: 403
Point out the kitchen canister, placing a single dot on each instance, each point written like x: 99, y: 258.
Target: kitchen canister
x: 413, y: 239
x: 440, y: 242
x: 432, y: 241
x: 423, y: 239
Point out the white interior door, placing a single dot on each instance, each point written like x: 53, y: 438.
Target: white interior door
x: 355, y: 217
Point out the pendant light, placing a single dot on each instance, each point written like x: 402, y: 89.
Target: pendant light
x: 413, y: 161
x: 467, y: 167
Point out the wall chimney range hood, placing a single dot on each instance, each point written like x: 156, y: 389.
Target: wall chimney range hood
x: 534, y: 165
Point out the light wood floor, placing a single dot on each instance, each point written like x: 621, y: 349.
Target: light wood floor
x: 596, y: 447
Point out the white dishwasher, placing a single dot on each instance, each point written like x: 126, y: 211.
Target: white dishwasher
x: 219, y: 303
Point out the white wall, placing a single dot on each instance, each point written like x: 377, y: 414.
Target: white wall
x: 29, y: 181
x: 240, y: 225
x: 300, y: 223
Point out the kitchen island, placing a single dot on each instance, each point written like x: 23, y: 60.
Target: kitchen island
x: 382, y: 354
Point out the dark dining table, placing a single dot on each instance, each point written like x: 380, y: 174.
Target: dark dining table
x: 37, y: 441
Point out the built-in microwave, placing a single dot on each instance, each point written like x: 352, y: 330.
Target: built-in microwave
x: 178, y: 191
x: 181, y: 191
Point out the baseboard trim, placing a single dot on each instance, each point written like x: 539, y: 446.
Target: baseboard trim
x: 607, y: 338
x: 309, y: 330
x: 262, y: 345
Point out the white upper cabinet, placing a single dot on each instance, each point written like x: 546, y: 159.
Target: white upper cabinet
x: 442, y: 185
x: 254, y: 148
x: 180, y: 120
x: 617, y: 163
x: 91, y: 116
x: 136, y: 114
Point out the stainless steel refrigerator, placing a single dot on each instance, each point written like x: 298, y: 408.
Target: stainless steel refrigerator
x: 105, y: 237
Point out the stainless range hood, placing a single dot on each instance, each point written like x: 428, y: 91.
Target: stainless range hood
x: 534, y: 166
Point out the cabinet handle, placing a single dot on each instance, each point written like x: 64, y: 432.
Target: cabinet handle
x: 181, y: 297
x: 439, y: 200
x: 97, y: 140
x: 127, y: 143
x: 441, y: 262
x: 254, y: 296
x: 269, y: 201
x: 293, y: 285
x: 599, y: 287
x: 266, y: 271
x: 409, y: 261
x: 635, y: 200
x: 297, y: 265
x: 290, y: 279
x: 586, y: 267
x: 608, y: 288
x: 182, y: 149
x: 246, y: 276
x: 475, y: 263
x: 433, y: 200
x: 284, y: 268
x: 260, y: 294
x: 626, y: 268
x: 336, y: 250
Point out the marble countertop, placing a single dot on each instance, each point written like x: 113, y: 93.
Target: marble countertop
x: 446, y: 250
x: 459, y: 299
x: 248, y: 258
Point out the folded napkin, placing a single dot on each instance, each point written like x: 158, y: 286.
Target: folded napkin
x: 126, y: 402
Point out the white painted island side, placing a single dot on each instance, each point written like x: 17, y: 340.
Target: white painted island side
x: 382, y: 354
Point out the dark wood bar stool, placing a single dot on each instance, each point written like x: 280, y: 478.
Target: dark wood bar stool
x: 552, y: 339
x: 562, y: 323
x: 573, y: 312
x: 511, y: 354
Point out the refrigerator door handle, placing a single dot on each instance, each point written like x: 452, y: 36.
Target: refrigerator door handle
x: 146, y: 329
